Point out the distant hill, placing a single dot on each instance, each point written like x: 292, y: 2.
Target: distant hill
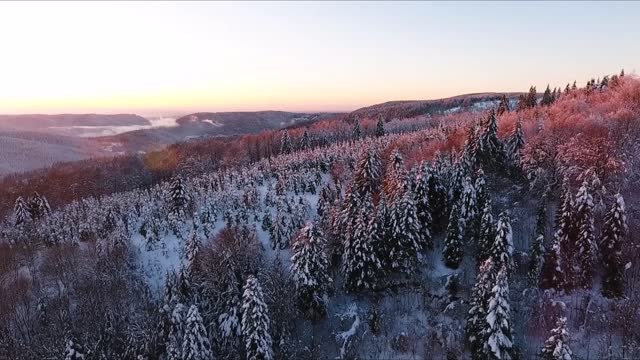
x: 67, y: 124
x: 24, y: 151
x: 411, y: 108
x: 205, y: 124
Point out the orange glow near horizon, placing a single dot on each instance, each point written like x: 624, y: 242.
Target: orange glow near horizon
x: 141, y: 57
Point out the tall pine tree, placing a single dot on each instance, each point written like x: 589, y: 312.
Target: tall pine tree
x: 557, y: 345
x: 452, y: 251
x: 613, y: 232
x: 361, y: 264
x: 256, y: 322
x: 309, y: 271
x: 498, y: 328
x: 586, y: 243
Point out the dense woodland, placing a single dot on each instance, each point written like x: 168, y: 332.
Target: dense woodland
x: 503, y: 234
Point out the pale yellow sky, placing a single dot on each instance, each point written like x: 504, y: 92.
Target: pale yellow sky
x: 165, y: 56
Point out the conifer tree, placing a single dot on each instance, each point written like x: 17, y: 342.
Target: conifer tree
x: 468, y: 205
x: 557, y: 345
x: 286, y: 146
x: 536, y: 260
x: 479, y: 303
x: 503, y: 106
x: 586, y: 244
x: 38, y: 206
x: 487, y: 234
x: 491, y: 149
x: 437, y: 195
x: 405, y: 234
x: 195, y: 345
x: 516, y: 143
x: 421, y: 198
x: 305, y: 141
x: 565, y: 235
x: 502, y: 247
x: 613, y: 232
x: 21, y: 212
x: 547, y: 99
x: 176, y: 333
x: 553, y: 276
x: 361, y: 265
x: 309, y: 271
x: 380, y: 128
x: 538, y: 246
x: 179, y: 197
x: 356, y: 133
x: 256, y: 322
x: 73, y: 351
x: 367, y: 177
x: 498, y: 331
x: 394, y: 177
x: 532, y: 98
x: 452, y: 251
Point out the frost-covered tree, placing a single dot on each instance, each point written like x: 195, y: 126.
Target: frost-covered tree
x: 477, y: 315
x: 179, y: 197
x: 553, y: 276
x: 565, y: 235
x: 437, y: 195
x: 38, y: 206
x: 305, y: 141
x: 356, y: 133
x: 256, y: 322
x: 503, y: 106
x: 405, y: 230
x: 21, y: 211
x: 502, y: 247
x: 367, y: 177
x: 394, y: 176
x: 468, y: 205
x: 613, y: 232
x: 286, y: 146
x: 73, y: 351
x: 498, y: 328
x: 491, y: 150
x: 380, y: 127
x: 195, y: 345
x: 281, y: 230
x: 309, y: 271
x: 452, y: 252
x: 515, y: 144
x: 557, y: 345
x: 586, y: 243
x: 176, y: 332
x: 421, y: 198
x: 536, y: 260
x: 361, y: 265
x: 487, y: 233
x: 547, y: 99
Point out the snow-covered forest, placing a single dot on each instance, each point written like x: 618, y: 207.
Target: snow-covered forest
x: 503, y: 231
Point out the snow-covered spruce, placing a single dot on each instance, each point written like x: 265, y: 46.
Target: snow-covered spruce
x: 557, y: 345
x: 452, y: 252
x: 565, y: 236
x: 487, y: 234
x: 404, y: 246
x: 586, y: 243
x: 479, y: 302
x: 309, y: 266
x: 613, y: 232
x: 255, y: 322
x: 195, y: 344
x: 498, y: 328
x: 176, y: 333
x: 502, y: 248
x: 361, y: 265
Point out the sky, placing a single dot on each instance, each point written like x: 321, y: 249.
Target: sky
x: 155, y: 57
